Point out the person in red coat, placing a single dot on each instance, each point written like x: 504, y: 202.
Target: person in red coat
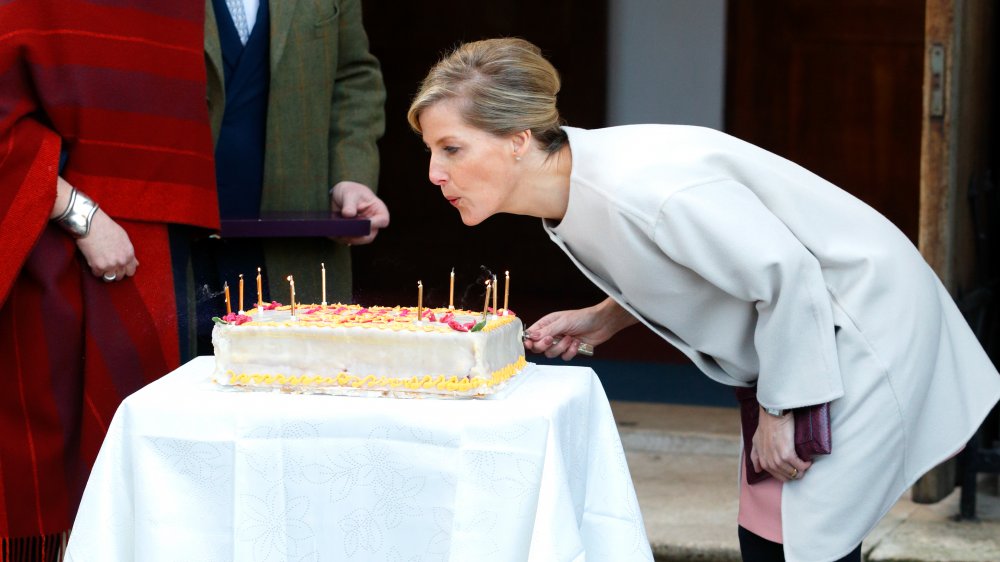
x: 104, y: 142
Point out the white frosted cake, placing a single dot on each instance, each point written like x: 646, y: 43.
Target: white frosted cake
x: 342, y: 349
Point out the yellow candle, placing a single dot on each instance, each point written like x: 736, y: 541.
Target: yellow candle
x: 291, y: 289
x: 260, y: 291
x: 241, y: 294
x: 229, y: 306
x: 495, y: 291
x: 486, y: 305
x: 420, y: 300
x: 451, y: 291
x: 506, y: 290
x: 323, y: 274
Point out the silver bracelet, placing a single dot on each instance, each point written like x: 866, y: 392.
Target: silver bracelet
x: 78, y: 214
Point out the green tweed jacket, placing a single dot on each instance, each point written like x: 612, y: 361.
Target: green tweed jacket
x: 324, y: 115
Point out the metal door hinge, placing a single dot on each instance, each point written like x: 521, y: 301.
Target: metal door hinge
x: 937, y: 81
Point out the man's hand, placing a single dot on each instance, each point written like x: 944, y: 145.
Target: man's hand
x: 352, y: 199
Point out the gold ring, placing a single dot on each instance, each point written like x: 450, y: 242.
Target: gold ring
x: 795, y: 472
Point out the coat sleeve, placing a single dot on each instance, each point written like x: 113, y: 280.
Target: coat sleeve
x: 723, y: 232
x: 358, y: 117
x: 29, y: 156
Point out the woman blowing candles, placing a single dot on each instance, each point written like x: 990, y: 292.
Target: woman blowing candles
x: 758, y: 270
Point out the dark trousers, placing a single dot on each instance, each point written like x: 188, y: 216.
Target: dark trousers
x: 755, y: 548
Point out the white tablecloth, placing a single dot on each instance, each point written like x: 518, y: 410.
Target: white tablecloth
x: 190, y: 472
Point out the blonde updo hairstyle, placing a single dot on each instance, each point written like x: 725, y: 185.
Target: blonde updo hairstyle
x: 504, y: 86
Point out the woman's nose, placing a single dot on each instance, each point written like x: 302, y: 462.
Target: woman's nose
x: 436, y: 174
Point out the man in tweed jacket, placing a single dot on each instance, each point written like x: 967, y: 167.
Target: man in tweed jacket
x: 324, y: 115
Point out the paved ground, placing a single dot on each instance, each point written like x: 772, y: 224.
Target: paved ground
x: 683, y: 462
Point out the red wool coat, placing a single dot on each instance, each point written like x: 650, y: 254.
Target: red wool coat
x: 118, y: 87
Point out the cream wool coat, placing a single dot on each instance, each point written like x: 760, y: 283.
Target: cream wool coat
x: 761, y: 271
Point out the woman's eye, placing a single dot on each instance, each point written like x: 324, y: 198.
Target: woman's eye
x: 451, y: 149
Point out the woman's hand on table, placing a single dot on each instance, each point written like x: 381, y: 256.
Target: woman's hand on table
x: 774, y: 447
x: 560, y: 334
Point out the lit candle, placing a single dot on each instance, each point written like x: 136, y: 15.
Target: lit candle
x: 291, y: 288
x: 323, y: 275
x: 229, y: 306
x: 495, y: 291
x: 506, y: 290
x: 486, y: 305
x: 241, y: 294
x: 420, y: 301
x: 260, y: 293
x: 451, y: 291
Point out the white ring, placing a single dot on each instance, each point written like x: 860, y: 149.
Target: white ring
x: 109, y: 278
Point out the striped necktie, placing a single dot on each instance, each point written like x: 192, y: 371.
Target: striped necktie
x: 239, y: 19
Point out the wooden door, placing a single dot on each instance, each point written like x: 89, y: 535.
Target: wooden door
x: 835, y: 87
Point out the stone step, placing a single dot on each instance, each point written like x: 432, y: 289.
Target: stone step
x: 683, y: 461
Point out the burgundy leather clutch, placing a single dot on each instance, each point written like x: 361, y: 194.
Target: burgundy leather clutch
x: 812, y: 430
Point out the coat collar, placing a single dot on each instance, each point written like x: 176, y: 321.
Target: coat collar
x: 281, y: 21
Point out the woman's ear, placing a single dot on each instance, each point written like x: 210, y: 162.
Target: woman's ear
x: 520, y: 142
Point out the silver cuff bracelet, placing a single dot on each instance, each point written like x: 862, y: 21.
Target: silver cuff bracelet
x: 78, y: 214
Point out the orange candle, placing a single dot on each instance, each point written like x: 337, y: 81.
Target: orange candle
x: 229, y: 306
x: 451, y: 291
x: 506, y: 290
x: 260, y: 292
x: 420, y: 301
x: 291, y: 289
x: 241, y: 294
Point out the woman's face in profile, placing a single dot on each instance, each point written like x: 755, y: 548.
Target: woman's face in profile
x: 472, y: 167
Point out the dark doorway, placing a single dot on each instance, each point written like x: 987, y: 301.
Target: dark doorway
x: 427, y: 238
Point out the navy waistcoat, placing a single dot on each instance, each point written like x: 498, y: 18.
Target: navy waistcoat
x: 239, y: 152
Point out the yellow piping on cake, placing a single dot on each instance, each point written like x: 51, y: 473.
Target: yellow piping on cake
x: 441, y: 382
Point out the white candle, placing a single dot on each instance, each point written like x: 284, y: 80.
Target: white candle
x: 486, y: 305
x: 323, y: 274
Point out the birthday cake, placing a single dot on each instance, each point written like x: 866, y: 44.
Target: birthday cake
x: 349, y: 349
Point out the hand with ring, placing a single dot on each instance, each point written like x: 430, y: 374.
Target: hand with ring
x: 108, y: 250
x: 773, y: 447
